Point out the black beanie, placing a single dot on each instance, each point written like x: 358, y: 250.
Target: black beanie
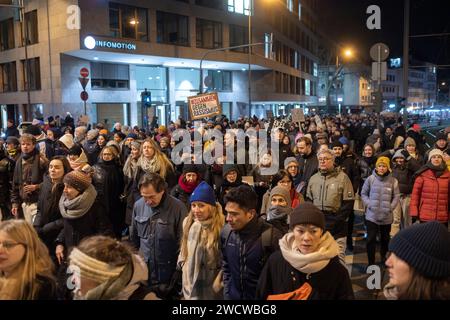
x: 190, y: 168
x: 33, y: 130
x: 307, y: 213
x: 425, y: 247
x: 337, y: 143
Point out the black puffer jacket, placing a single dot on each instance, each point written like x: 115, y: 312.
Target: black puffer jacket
x: 405, y: 175
x: 308, y: 166
x: 6, y: 176
x: 330, y: 283
x: 366, y: 166
x: 244, y: 257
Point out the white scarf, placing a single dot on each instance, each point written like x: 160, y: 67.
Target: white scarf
x: 311, y: 262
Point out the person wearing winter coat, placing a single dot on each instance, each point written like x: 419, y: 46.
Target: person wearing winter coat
x: 156, y: 230
x: 246, y: 243
x: 83, y: 214
x: 419, y: 264
x: 6, y: 177
x: 307, y: 161
x: 200, y: 258
x: 332, y: 192
x: 308, y: 258
x: 28, y: 175
x: 129, y: 172
x: 232, y: 178
x: 49, y: 221
x: 403, y: 169
x: 152, y: 160
x: 11, y: 130
x: 366, y: 164
x: 108, y: 181
x: 108, y: 270
x: 279, y: 209
x: 91, y: 147
x: 411, y: 148
x: 380, y: 195
x: 26, y: 270
x: 77, y: 157
x: 285, y: 180
x: 187, y: 183
x: 430, y: 194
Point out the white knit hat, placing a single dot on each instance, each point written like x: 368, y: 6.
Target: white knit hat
x: 435, y: 152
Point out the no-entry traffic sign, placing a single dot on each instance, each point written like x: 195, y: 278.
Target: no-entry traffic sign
x: 84, y: 72
x: 84, y: 95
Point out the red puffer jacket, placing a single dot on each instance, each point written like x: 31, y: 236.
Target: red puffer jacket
x: 430, y: 196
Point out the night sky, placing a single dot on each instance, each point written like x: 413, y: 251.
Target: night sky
x: 345, y: 22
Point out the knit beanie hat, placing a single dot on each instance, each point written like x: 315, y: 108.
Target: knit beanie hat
x: 289, y: 160
x: 203, y: 193
x: 307, y: 213
x: 227, y: 168
x: 441, y: 136
x: 67, y: 140
x: 344, y: 140
x: 385, y: 161
x: 398, y: 154
x: 190, y: 168
x: 281, y: 191
x: 132, y: 136
x: 410, y: 142
x: 425, y: 247
x: 78, y: 180
x: 435, y: 152
x: 337, y: 144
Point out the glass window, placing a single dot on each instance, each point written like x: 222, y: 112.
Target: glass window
x: 220, y: 80
x: 31, y: 24
x: 172, y: 28
x: 187, y: 82
x: 154, y: 79
x: 8, y: 77
x: 209, y: 34
x: 238, y: 37
x: 239, y: 6
x: 215, y: 4
x: 31, y: 74
x: 109, y: 76
x: 7, y: 34
x: 128, y: 22
x: 307, y: 87
x: 315, y: 73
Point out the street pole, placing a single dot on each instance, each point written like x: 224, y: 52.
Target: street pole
x: 406, y: 61
x: 223, y: 49
x: 27, y: 63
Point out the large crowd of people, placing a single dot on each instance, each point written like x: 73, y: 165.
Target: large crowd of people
x: 91, y: 212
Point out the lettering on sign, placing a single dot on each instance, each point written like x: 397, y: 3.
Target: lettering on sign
x: 204, y: 105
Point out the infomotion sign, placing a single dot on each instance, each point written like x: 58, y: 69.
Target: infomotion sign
x: 204, y: 105
x: 91, y: 43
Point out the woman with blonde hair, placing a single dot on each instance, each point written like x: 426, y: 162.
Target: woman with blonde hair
x: 153, y: 160
x: 26, y: 270
x: 200, y: 256
x: 106, y: 269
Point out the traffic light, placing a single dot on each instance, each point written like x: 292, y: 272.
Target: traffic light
x: 146, y: 98
x: 377, y: 101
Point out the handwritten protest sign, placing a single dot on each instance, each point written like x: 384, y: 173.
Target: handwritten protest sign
x: 204, y: 105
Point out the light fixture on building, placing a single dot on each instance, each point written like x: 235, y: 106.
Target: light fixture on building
x: 134, y: 22
x: 243, y: 69
x: 95, y: 58
x: 89, y: 42
x: 158, y: 77
x: 150, y: 78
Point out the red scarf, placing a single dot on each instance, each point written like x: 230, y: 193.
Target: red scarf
x: 187, y: 187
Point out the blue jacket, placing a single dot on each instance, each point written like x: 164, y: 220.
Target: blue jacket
x: 380, y: 195
x: 157, y: 233
x: 243, y: 258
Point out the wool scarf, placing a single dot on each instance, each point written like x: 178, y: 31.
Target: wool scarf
x: 130, y: 167
x: 187, y: 187
x: 149, y: 165
x: 437, y: 170
x: 34, y: 158
x: 79, y: 206
x: 311, y: 262
x: 278, y: 212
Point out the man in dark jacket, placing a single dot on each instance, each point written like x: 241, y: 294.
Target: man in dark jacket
x: 283, y: 149
x: 307, y: 160
x: 11, y: 130
x: 6, y: 176
x: 247, y: 241
x: 28, y: 175
x: 157, y: 229
x: 403, y: 168
x: 388, y: 139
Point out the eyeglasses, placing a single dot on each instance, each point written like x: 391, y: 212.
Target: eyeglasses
x: 324, y: 159
x: 7, y: 245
